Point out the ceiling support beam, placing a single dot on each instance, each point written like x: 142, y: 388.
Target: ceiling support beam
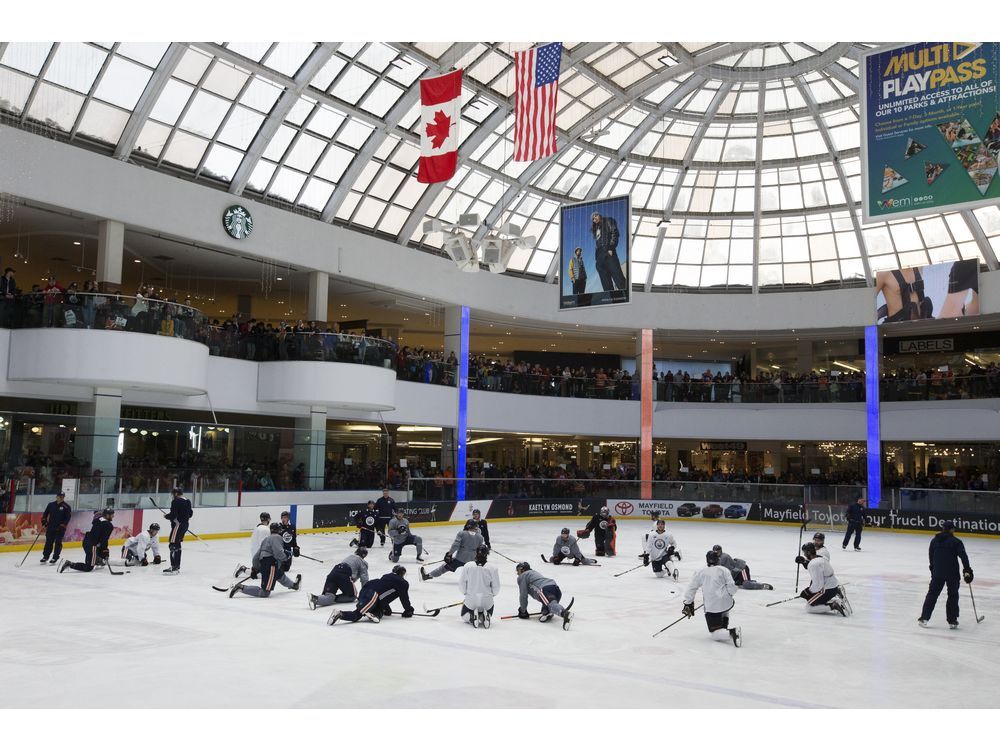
x: 148, y: 98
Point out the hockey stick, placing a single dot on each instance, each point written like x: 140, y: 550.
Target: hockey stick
x: 310, y: 558
x: 188, y: 531
x: 436, y: 613
x: 790, y: 599
x: 514, y: 617
x: 974, y: 612
x: 107, y: 564
x: 640, y: 565
x: 29, y: 550
x: 682, y: 617
x: 495, y: 552
x: 235, y: 583
x: 592, y: 564
x: 446, y: 606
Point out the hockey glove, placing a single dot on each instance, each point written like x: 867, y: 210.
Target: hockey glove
x: 295, y: 551
x: 157, y: 560
x: 967, y: 575
x: 800, y: 560
x: 582, y: 534
x: 447, y: 557
x: 645, y: 559
x: 144, y: 562
x: 408, y: 612
x: 522, y: 614
x: 688, y: 610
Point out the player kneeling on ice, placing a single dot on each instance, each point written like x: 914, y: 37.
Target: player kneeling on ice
x: 566, y: 548
x: 605, y: 529
x: 376, y: 596
x: 717, y: 589
x: 339, y: 586
x: 135, y: 548
x: 479, y: 583
x: 261, y: 532
x: 270, y: 561
x: 660, y: 549
x: 463, y: 550
x: 95, y: 543
x: 740, y: 571
x: 399, y: 534
x: 823, y: 593
x: 534, y: 584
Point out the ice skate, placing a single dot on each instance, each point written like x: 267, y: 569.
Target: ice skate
x: 333, y: 618
x: 953, y: 625
x: 371, y: 618
x: 236, y: 588
x: 424, y: 576
x: 298, y: 581
x: 922, y: 623
x: 240, y: 570
x: 484, y: 620
x: 63, y: 565
x: 312, y: 600
x: 737, y: 635
x: 567, y: 617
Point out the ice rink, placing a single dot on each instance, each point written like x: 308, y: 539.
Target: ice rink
x: 148, y: 640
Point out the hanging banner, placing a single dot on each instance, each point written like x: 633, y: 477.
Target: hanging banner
x: 944, y: 290
x: 930, y: 128
x: 594, y: 253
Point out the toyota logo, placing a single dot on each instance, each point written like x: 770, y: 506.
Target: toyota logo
x: 623, y: 508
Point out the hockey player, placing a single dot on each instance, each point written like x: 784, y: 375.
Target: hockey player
x: 399, y: 533
x: 534, y: 584
x: 55, y: 519
x: 605, y: 529
x: 483, y: 529
x: 376, y: 596
x: 261, y: 532
x: 179, y: 516
x: 565, y: 547
x: 823, y: 588
x: 135, y: 548
x: 659, y: 550
x: 479, y: 583
x: 463, y: 550
x: 339, y: 586
x: 740, y: 571
x: 385, y: 509
x: 95, y: 543
x: 290, y: 538
x: 717, y: 590
x: 819, y: 540
x: 270, y: 561
x: 365, y: 520
x: 944, y: 552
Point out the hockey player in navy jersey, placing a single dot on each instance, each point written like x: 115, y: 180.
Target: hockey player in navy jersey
x: 270, y: 561
x: 95, y: 543
x: 604, y: 527
x: 483, y: 527
x: 179, y: 516
x: 365, y: 520
x: 290, y: 538
x: 376, y: 596
x: 339, y: 586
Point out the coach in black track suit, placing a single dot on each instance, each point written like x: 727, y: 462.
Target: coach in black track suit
x: 385, y: 509
x: 855, y: 513
x: 944, y: 552
x: 55, y: 519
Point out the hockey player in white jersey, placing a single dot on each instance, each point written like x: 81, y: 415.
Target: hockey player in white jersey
x: 718, y: 590
x: 479, y: 583
x: 658, y: 550
x: 135, y: 548
x: 823, y: 594
x: 257, y: 536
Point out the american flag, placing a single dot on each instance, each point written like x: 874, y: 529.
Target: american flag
x: 537, y: 74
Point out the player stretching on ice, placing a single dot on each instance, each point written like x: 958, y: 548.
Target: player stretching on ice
x: 740, y: 571
x: 399, y: 533
x: 823, y: 588
x: 135, y: 548
x: 339, y: 586
x: 605, y: 530
x: 717, y: 589
x: 261, y: 532
x: 538, y: 587
x: 463, y: 550
x: 270, y: 561
x: 376, y: 596
x: 659, y: 550
x: 95, y: 543
x: 565, y: 548
x: 479, y: 583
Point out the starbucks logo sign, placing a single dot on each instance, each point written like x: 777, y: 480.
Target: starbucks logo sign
x: 237, y: 222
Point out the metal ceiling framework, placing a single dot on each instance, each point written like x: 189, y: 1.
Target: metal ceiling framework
x: 700, y: 88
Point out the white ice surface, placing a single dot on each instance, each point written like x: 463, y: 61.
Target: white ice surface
x: 148, y: 640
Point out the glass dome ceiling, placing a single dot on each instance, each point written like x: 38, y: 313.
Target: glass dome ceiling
x: 742, y: 159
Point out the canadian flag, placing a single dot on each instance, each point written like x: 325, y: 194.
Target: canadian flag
x: 441, y: 105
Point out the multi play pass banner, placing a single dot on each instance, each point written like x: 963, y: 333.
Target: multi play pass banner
x: 930, y: 120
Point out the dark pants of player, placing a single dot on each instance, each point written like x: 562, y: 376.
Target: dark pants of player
x: 604, y: 542
x: 287, y: 564
x: 366, y: 538
x: 338, y: 587
x: 177, y: 531
x: 53, y: 541
x: 549, y: 597
x: 717, y: 620
x: 934, y: 591
x: 467, y: 611
x: 741, y: 576
x: 448, y: 567
x: 659, y: 565
x: 270, y: 573
x: 854, y: 527
x: 380, y: 528
x: 823, y: 597
x: 397, y: 547
x: 609, y: 268
x: 90, y: 558
x: 130, y: 557
x: 367, y: 602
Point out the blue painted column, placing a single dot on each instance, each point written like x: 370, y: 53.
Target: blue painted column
x: 872, y: 416
x: 463, y: 402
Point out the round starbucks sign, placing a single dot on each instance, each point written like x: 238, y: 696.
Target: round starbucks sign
x: 238, y: 222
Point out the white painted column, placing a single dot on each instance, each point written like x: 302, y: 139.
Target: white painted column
x: 110, y: 254
x: 318, y: 294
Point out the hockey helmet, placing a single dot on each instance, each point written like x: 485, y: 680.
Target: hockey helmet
x: 108, y: 512
x: 476, y: 512
x: 809, y: 548
x: 604, y: 511
x: 564, y: 532
x: 264, y: 517
x: 177, y: 491
x: 361, y: 552
x: 371, y: 502
x: 482, y: 554
x: 521, y: 567
x: 399, y: 570
x: 820, y: 536
x: 154, y: 527
x: 712, y: 557
x: 471, y: 525
x: 717, y: 548
x: 400, y: 512
x: 285, y: 514
x: 275, y: 528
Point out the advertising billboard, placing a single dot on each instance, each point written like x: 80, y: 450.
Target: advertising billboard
x: 594, y: 252
x: 944, y: 290
x: 930, y: 128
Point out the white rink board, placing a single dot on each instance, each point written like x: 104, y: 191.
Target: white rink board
x: 147, y: 640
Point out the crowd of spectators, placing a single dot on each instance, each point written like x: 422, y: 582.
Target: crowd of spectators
x: 911, y: 384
